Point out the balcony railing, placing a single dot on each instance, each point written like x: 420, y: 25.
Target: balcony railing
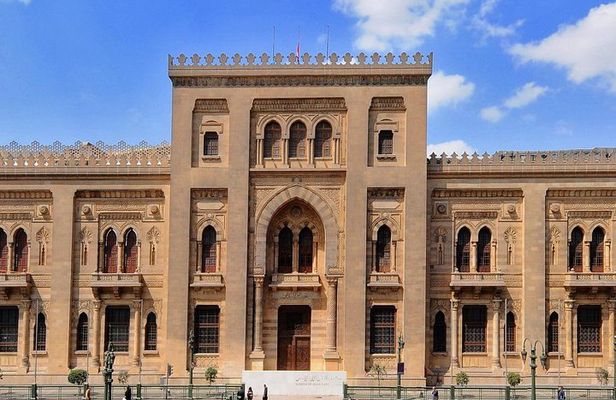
x: 208, y: 280
x: 590, y: 279
x: 295, y: 281
x: 14, y: 280
x: 112, y: 280
x: 384, y: 280
x: 477, y: 279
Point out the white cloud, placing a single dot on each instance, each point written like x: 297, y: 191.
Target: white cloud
x: 489, y: 29
x: 522, y: 97
x: 492, y: 114
x: 525, y: 95
x: 584, y: 49
x: 445, y: 90
x: 457, y: 146
x: 24, y: 2
x: 384, y: 25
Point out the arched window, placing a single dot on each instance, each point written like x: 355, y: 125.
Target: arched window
x: 150, y: 332
x: 553, y: 333
x: 20, y: 258
x: 483, y: 250
x: 439, y: 338
x: 285, y: 250
x: 596, y: 250
x: 305, y: 250
x: 271, y: 140
x: 386, y: 142
x: 208, y: 249
x: 383, y: 249
x: 510, y: 332
x: 322, y: 139
x: 40, y: 333
x: 130, y: 251
x: 575, y: 249
x: 297, y: 140
x: 463, y: 250
x: 82, y: 332
x: 110, y: 258
x: 4, y: 252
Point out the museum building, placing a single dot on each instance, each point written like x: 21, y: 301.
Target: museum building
x: 295, y: 223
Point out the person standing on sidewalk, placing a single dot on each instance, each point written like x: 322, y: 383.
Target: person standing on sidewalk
x: 264, y: 391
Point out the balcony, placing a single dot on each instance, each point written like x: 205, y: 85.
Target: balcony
x: 593, y: 280
x: 477, y: 280
x: 116, y: 282
x: 14, y: 280
x: 212, y: 280
x: 384, y: 280
x: 296, y: 281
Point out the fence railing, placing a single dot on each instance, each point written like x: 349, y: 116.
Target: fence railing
x: 139, y: 392
x: 477, y: 393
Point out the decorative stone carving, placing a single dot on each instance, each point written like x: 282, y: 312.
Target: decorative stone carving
x: 211, y: 106
x: 299, y: 105
x: 387, y: 104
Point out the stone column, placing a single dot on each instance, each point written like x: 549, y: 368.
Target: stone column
x: 295, y: 255
x: 120, y: 257
x: 496, y: 303
x: 25, y: 332
x: 218, y: 253
x: 137, y: 332
x: 373, y: 243
x: 586, y: 257
x: 199, y: 253
x: 258, y: 345
x: 259, y: 152
x: 607, y: 257
x: 493, y: 257
x: 311, y: 152
x: 473, y: 257
x: 611, y: 304
x: 455, y: 303
x: 95, y: 339
x: 394, y: 254
x: 138, y: 256
x: 569, y: 333
x: 10, y: 264
x: 101, y: 257
x: 330, y: 332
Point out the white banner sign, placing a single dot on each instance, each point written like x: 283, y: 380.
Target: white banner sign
x: 289, y: 383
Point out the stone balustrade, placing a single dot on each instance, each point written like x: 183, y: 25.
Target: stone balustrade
x: 295, y: 281
x: 208, y: 280
x: 590, y: 279
x: 384, y: 280
x: 477, y: 279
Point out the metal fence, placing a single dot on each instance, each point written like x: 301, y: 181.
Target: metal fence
x: 477, y: 393
x: 144, y: 392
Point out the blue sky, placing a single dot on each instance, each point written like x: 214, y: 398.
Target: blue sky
x: 515, y: 75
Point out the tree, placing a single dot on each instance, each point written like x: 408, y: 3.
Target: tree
x: 78, y: 377
x: 514, y: 379
x: 378, y: 370
x: 602, y: 375
x: 123, y: 377
x: 462, y: 378
x: 210, y: 374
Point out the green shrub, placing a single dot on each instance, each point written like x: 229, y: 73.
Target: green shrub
x: 77, y: 376
x: 123, y: 377
x: 462, y: 378
x: 514, y: 379
x: 602, y: 375
x: 210, y: 374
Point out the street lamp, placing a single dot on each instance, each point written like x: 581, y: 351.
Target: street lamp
x: 614, y: 391
x: 108, y: 371
x: 533, y: 363
x: 191, y: 346
x: 400, y: 347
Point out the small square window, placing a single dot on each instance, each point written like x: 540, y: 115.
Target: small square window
x: 210, y: 144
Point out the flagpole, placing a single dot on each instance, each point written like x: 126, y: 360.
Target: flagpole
x: 274, y: 43
x: 36, y: 344
x: 327, y: 44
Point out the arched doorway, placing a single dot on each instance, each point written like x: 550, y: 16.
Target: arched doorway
x: 294, y: 338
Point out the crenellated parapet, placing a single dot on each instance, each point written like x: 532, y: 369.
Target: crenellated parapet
x: 84, y: 158
x: 594, y: 161
x: 306, y: 70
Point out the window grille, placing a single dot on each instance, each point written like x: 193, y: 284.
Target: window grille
x: 474, y: 329
x: 510, y: 333
x: 383, y: 249
x: 20, y: 258
x: 271, y: 140
x: 553, y: 333
x: 483, y: 250
x: 130, y: 251
x: 589, y: 329
x: 383, y: 330
x: 82, y: 332
x: 285, y: 250
x: 322, y: 139
x: 8, y: 329
x: 210, y: 144
x: 4, y: 252
x: 117, y: 325
x: 208, y: 251
x: 463, y: 250
x: 297, y: 140
x: 150, y: 332
x: 110, y: 258
x: 40, y: 329
x: 386, y: 142
x: 596, y: 250
x: 575, y: 250
x: 206, y: 329
x: 305, y: 250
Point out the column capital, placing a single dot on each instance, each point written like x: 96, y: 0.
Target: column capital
x: 496, y: 304
x: 611, y: 304
x: 259, y: 280
x: 332, y: 280
x: 96, y: 305
x: 137, y: 304
x: 455, y: 303
x: 569, y: 304
x: 26, y: 304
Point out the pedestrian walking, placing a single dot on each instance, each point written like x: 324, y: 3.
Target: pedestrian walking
x: 560, y: 394
x: 88, y: 394
x: 240, y: 393
x: 434, y: 393
x: 249, y: 395
x: 128, y: 394
x: 264, y: 391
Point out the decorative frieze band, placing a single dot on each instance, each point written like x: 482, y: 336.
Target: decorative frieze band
x: 120, y: 216
x: 120, y: 194
x: 590, y: 214
x: 299, y: 105
x: 210, y: 193
x: 476, y: 214
x: 299, y: 80
x: 387, y: 104
x: 15, y: 216
x: 25, y: 194
x: 386, y: 193
x: 581, y: 193
x: 461, y: 193
x: 211, y: 106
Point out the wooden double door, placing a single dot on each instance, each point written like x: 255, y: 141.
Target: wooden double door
x: 294, y: 338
